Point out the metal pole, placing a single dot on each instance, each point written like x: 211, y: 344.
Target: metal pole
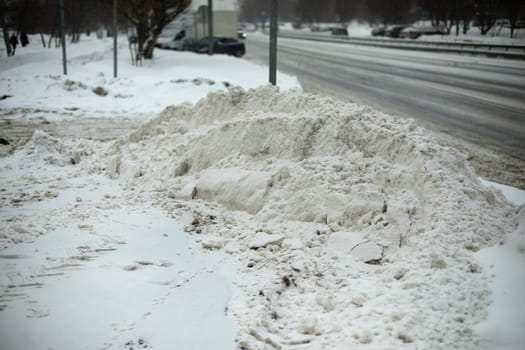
x: 63, y: 36
x: 273, y: 42
x: 210, y: 25
x: 115, y: 38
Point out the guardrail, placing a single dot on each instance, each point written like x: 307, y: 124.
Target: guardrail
x: 490, y: 50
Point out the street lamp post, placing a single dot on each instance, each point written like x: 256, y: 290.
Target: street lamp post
x: 210, y: 26
x: 273, y: 42
x: 63, y: 36
x: 115, y: 38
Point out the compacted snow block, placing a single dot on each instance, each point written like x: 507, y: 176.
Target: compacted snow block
x: 234, y: 188
x: 355, y: 244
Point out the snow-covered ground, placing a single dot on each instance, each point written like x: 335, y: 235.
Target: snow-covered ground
x: 34, y: 79
x: 253, y: 219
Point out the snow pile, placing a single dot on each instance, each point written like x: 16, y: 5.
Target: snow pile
x: 355, y: 227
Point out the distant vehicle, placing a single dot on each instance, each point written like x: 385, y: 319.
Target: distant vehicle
x: 229, y: 46
x: 338, y: 31
x: 320, y: 27
x: 179, y: 42
x: 241, y: 34
x: 394, y: 30
x: 241, y: 31
x: 378, y: 31
x: 413, y: 32
x: 185, y: 44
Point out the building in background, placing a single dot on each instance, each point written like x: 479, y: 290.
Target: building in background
x: 225, y: 17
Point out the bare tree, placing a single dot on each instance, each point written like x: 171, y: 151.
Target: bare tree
x: 466, y: 14
x: 390, y: 11
x: 513, y: 10
x: 316, y: 11
x: 486, y: 14
x: 149, y: 17
x: 450, y: 13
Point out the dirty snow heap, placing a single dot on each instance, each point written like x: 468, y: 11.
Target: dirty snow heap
x: 353, y: 227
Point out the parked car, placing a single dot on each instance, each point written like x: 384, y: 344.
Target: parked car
x: 184, y: 44
x: 225, y: 45
x: 394, y: 30
x: 338, y: 31
x: 378, y: 31
x: 413, y: 32
x: 179, y: 42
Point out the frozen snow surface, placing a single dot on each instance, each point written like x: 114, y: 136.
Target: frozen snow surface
x: 253, y: 219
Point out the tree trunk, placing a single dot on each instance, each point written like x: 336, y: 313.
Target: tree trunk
x: 150, y: 46
x: 466, y: 27
x: 6, y: 40
x: 486, y: 28
x: 5, y: 30
x: 146, y: 42
x: 448, y: 26
x: 512, y: 24
x: 53, y: 30
x: 148, y: 50
x: 142, y: 36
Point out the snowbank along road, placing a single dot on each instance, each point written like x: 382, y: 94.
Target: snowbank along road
x: 352, y: 228
x: 477, y: 99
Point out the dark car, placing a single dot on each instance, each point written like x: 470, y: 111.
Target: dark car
x: 393, y: 31
x: 415, y: 32
x: 229, y: 46
x: 338, y: 31
x: 378, y: 31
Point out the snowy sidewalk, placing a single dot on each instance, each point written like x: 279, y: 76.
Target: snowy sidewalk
x: 96, y: 271
x: 132, y: 278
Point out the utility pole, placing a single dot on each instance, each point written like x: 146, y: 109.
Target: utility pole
x: 63, y: 36
x: 273, y: 42
x: 210, y: 26
x: 115, y: 38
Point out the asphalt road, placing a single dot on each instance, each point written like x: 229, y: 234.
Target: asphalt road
x: 479, y: 100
